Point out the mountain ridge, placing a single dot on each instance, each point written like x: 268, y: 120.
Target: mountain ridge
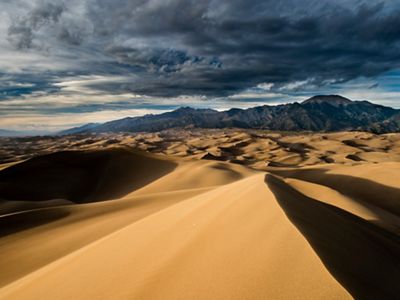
x: 319, y: 113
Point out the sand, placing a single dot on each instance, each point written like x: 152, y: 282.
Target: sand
x: 254, y: 148
x: 116, y: 223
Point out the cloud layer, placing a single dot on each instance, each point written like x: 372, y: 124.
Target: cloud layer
x: 213, y: 48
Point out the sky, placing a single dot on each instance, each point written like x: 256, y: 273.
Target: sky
x: 64, y: 63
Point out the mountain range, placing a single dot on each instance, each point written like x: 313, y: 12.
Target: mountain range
x: 320, y: 113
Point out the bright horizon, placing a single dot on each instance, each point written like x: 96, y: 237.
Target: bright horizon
x: 61, y: 122
x: 68, y: 63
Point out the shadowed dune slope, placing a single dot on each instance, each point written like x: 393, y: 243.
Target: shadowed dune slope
x: 376, y: 184
x: 363, y: 257
x: 197, y: 229
x: 81, y: 176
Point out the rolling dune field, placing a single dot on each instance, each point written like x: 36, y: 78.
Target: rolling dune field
x: 217, y: 214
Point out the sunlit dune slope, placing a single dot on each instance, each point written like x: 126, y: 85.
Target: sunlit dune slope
x: 176, y: 229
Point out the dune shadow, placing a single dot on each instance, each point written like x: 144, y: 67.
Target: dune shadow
x: 17, y: 222
x: 364, y: 258
x: 359, y: 189
x: 81, y: 176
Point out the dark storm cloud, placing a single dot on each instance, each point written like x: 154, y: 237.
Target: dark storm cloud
x: 21, y: 32
x: 216, y: 48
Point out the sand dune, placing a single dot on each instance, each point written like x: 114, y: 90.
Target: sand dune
x: 255, y: 148
x: 363, y: 257
x: 123, y: 224
x: 80, y: 177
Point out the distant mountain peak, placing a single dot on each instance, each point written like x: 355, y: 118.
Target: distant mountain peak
x: 191, y: 109
x: 319, y: 113
x: 331, y: 99
x: 185, y: 108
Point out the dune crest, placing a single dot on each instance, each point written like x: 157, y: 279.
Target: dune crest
x: 197, y: 229
x: 79, y: 177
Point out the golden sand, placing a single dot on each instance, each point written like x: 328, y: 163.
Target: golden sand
x: 125, y: 224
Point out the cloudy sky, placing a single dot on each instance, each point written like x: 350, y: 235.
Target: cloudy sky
x: 68, y: 62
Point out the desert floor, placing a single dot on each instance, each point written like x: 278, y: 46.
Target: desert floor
x: 200, y: 214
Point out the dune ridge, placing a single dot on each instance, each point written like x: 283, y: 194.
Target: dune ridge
x: 198, y: 229
x: 80, y: 176
x: 363, y: 257
x: 255, y: 148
